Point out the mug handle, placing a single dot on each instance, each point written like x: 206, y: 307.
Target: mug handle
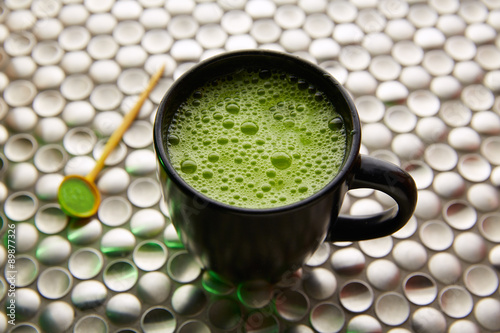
x: 388, y: 178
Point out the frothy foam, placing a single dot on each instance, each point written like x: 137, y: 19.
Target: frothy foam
x: 257, y: 139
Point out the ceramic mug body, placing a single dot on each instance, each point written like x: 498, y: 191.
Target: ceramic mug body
x: 244, y: 244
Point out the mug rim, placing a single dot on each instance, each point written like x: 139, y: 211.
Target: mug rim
x: 349, y: 160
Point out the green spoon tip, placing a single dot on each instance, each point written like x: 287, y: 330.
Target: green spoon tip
x: 78, y: 197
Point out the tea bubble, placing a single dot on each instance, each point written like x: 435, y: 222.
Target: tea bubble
x: 265, y: 74
x: 260, y: 142
x: 266, y: 188
x: 249, y: 128
x: 173, y: 139
x: 207, y: 174
x: 188, y: 166
x: 218, y: 116
x: 335, y: 124
x: 271, y: 173
x: 281, y: 160
x: 228, y: 123
x: 232, y: 108
x: 222, y: 140
x: 213, y: 157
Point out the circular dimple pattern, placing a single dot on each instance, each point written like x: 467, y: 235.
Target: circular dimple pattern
x: 487, y: 312
x: 460, y: 214
x: 261, y: 322
x: 455, y: 301
x: 356, y: 296
x: 120, y: 275
x: 158, y: 316
x: 348, y: 261
x: 93, y: 322
x: 144, y: 192
x: 188, y: 300
x: 182, y: 267
x: 445, y: 267
x: 423, y: 103
x: 490, y: 227
x: 20, y: 147
x: 50, y: 158
x: 377, y: 248
x: 79, y: 141
x: 153, y: 287
x: 428, y: 319
x: 320, y: 256
x: 409, y: 255
x: 115, y: 242
x: 399, y: 119
x: 424, y: 77
x: 383, y: 274
x: 57, y: 316
x: 292, y: 305
x: 20, y: 206
x: 420, y: 289
x: 481, y: 280
x: 370, y: 109
x: 50, y: 219
x: 441, y: 157
x: 327, y: 317
x: 255, y: 294
x: 224, y: 314
x: 421, y: 173
x: 150, y: 255
x: 54, y: 283
x: 364, y: 323
x: 474, y: 167
x: 123, y: 308
x: 392, y: 309
x: 85, y: 263
x: 114, y: 211
x: 470, y: 247
x: 320, y: 283
x: 436, y: 235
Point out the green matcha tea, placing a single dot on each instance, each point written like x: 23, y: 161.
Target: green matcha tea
x: 257, y: 139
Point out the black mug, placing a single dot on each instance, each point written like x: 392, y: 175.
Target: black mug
x: 240, y: 244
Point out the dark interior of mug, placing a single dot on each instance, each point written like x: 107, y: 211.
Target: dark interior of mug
x: 229, y: 62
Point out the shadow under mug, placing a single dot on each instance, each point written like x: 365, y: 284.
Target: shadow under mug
x: 240, y: 244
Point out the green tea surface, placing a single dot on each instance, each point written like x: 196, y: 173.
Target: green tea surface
x: 257, y: 139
